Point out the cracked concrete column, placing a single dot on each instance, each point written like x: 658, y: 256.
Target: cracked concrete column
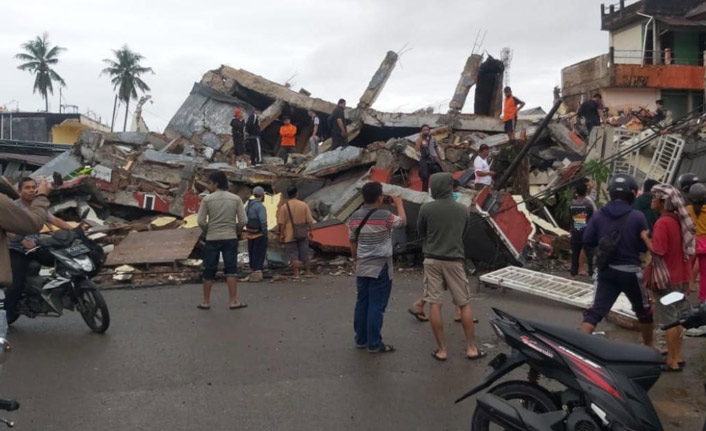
x: 378, y: 81
x: 467, y: 80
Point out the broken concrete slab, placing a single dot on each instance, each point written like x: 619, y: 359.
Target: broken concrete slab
x: 567, y: 138
x: 153, y: 156
x: 468, y: 79
x: 139, y: 247
x: 64, y: 164
x: 339, y: 160
x: 378, y: 81
x: 502, y: 139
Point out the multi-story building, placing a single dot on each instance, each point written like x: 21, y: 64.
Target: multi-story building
x: 656, y: 51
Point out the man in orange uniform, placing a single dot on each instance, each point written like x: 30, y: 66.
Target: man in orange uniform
x: 511, y: 107
x: 287, y: 133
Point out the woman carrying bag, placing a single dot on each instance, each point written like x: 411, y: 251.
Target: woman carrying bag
x: 673, y: 250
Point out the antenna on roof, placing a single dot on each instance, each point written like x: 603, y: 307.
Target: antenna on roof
x: 477, y: 45
x: 506, y: 58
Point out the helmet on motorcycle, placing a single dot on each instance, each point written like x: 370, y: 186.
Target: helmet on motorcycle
x: 685, y: 181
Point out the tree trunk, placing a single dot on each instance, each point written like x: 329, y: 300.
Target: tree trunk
x: 46, y: 103
x: 127, y: 105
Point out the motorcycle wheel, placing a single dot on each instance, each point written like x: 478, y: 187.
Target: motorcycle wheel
x: 93, y: 308
x: 525, y: 394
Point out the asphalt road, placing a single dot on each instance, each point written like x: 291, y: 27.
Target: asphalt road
x: 286, y: 362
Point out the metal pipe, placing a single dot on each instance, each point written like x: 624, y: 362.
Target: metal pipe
x: 644, y: 39
x: 523, y: 152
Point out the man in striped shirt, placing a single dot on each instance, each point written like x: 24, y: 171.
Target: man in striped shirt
x: 370, y: 234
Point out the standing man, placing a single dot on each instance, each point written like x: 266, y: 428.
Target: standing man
x: 221, y: 217
x: 252, y: 129
x: 256, y: 232
x: 370, y: 234
x: 295, y: 229
x: 659, y: 115
x: 314, y: 139
x: 443, y: 224
x: 619, y: 231
x: 287, y: 133
x: 592, y: 112
x: 484, y: 176
x: 581, y: 210
x: 643, y: 203
x: 237, y: 127
x: 337, y: 124
x: 429, y: 163
x: 511, y: 107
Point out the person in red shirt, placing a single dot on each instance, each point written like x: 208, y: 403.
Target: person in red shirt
x: 287, y: 132
x: 673, y: 241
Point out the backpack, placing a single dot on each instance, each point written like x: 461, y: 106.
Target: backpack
x: 609, y: 243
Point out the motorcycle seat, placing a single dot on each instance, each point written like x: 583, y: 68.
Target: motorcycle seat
x: 600, y: 347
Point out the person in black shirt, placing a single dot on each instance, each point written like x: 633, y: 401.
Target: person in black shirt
x: 659, y: 115
x: 237, y: 125
x: 581, y: 211
x: 337, y: 124
x: 252, y: 130
x: 592, y: 112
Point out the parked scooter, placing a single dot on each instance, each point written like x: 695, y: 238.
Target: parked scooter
x: 605, y: 382
x: 77, y: 259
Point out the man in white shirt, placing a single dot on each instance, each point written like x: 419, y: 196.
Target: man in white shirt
x: 484, y: 176
x: 314, y: 139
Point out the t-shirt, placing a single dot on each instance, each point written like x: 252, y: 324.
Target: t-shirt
x: 301, y: 214
x: 288, y: 132
x: 581, y: 212
x: 659, y: 115
x: 236, y: 126
x: 589, y: 111
x: 221, y: 215
x: 16, y: 241
x: 481, y: 165
x: 374, y: 241
x: 333, y: 121
x: 252, y: 126
x: 667, y: 242
x: 700, y: 221
x: 510, y: 108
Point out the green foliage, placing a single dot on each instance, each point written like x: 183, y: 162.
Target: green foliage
x: 38, y: 57
x: 597, y: 169
x: 125, y: 71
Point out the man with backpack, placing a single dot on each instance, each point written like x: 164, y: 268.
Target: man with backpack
x: 337, y: 126
x: 370, y: 235
x: 295, y: 229
x: 618, y: 232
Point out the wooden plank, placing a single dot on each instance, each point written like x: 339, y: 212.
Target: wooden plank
x: 160, y: 246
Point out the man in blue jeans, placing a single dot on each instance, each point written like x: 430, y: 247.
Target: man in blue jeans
x: 221, y: 217
x: 370, y: 234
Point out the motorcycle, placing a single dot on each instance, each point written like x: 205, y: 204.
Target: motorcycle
x: 604, y: 382
x: 76, y: 258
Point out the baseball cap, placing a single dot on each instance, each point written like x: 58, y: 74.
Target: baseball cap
x: 258, y: 191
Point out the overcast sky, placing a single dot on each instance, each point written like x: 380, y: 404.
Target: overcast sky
x: 329, y: 47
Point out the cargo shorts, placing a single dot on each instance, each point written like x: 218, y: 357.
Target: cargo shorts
x: 440, y: 275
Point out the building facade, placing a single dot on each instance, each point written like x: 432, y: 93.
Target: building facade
x: 656, y: 51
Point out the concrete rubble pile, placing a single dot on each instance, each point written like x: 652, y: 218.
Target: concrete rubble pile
x: 145, y: 189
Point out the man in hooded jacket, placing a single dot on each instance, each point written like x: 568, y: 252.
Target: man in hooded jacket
x: 443, y: 224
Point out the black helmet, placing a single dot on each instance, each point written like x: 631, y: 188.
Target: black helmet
x: 622, y: 183
x: 685, y: 181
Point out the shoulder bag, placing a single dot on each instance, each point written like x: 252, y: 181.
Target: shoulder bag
x: 301, y: 230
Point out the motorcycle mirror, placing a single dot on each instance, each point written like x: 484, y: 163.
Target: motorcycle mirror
x: 672, y: 298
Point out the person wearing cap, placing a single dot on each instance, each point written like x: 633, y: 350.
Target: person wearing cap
x: 484, y: 176
x: 256, y: 233
x: 237, y: 129
x: 287, y: 133
x: 511, y: 107
x: 697, y: 211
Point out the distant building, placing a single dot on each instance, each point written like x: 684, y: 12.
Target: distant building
x: 656, y: 52
x: 46, y: 127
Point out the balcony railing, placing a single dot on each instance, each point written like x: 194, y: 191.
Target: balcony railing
x: 664, y: 58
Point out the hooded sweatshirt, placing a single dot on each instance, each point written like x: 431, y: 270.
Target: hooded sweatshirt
x: 443, y: 223
x: 608, y: 219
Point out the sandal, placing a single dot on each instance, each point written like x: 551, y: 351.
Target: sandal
x: 386, y: 348
x: 435, y: 355
x: 238, y: 306
x: 203, y: 307
x: 481, y: 354
x: 419, y: 316
x: 667, y: 369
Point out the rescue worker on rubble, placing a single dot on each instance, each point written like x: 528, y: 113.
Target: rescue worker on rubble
x: 511, y: 107
x: 287, y: 133
x: 592, y: 112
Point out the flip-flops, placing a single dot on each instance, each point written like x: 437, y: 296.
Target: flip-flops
x: 667, y: 369
x: 386, y: 348
x: 435, y: 355
x: 203, y: 307
x: 481, y: 354
x: 419, y: 316
x: 237, y: 307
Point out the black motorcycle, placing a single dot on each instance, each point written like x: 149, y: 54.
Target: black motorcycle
x: 76, y: 258
x: 604, y: 383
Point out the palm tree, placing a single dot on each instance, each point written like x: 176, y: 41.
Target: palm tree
x: 125, y: 71
x: 38, y: 58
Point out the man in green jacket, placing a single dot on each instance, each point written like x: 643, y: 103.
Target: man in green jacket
x: 644, y: 201
x: 443, y: 224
